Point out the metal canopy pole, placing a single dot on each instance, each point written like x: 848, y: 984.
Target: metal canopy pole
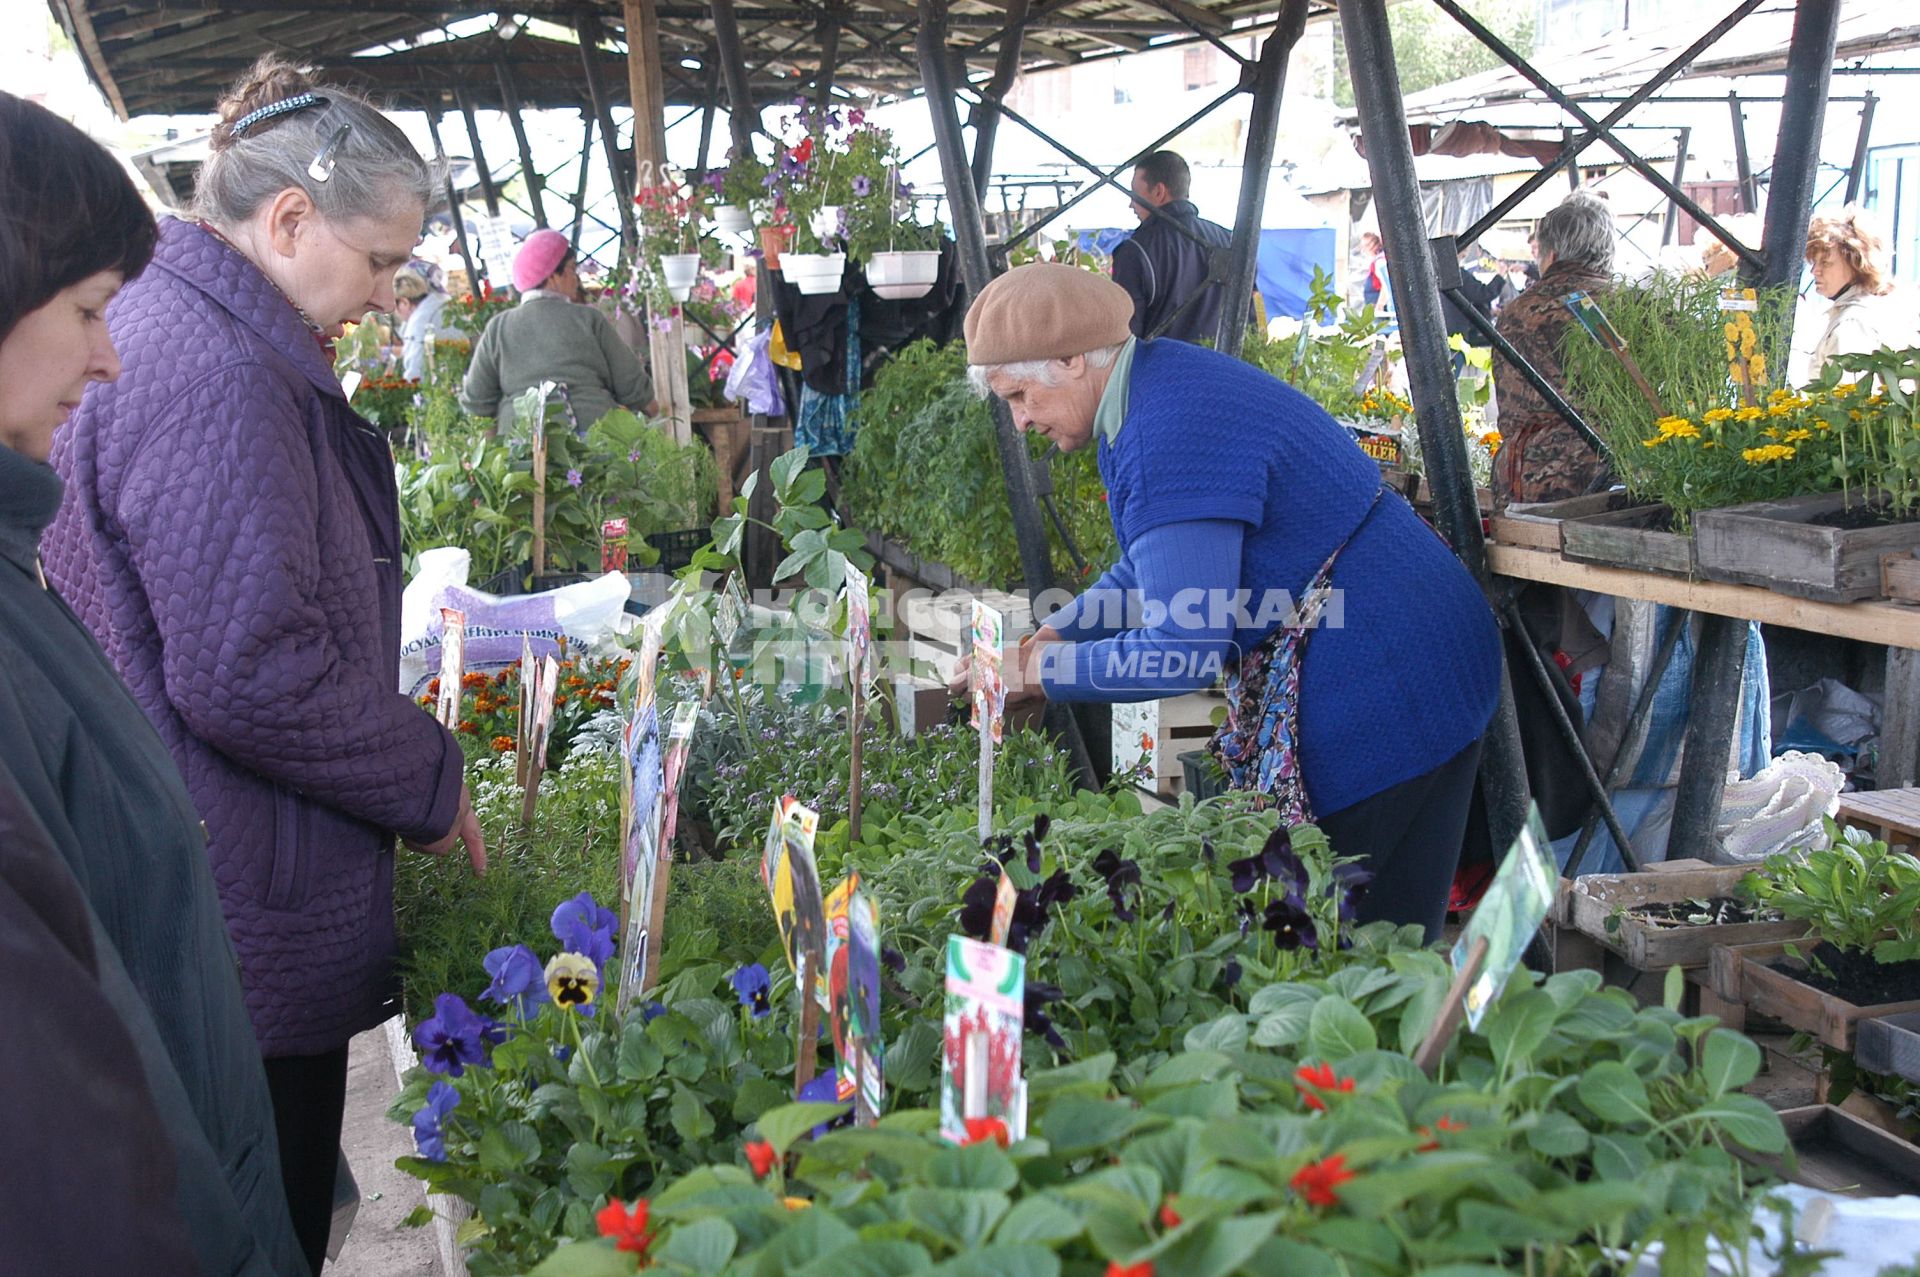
x: 1423, y: 338
x: 481, y: 168
x: 1857, y: 173
x: 986, y: 116
x: 706, y: 115
x: 1679, y: 172
x: 1742, y: 162
x: 580, y: 188
x: 587, y: 24
x: 829, y: 29
x: 1613, y: 117
x: 453, y: 198
x: 970, y: 241
x: 1714, y: 705
x: 510, y: 96
x: 1269, y: 83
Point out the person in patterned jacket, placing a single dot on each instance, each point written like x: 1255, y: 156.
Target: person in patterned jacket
x: 1542, y: 457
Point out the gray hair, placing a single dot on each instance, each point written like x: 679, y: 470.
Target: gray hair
x: 1043, y: 371
x: 375, y: 167
x: 1580, y: 230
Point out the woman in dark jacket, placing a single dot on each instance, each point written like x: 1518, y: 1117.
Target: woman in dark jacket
x: 231, y: 533
x: 93, y: 816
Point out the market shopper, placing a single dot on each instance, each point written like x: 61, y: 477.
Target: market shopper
x: 231, y: 535
x: 1542, y: 457
x: 1167, y: 261
x: 145, y: 1079
x: 552, y: 336
x: 418, y: 300
x: 1848, y: 258
x: 1233, y: 498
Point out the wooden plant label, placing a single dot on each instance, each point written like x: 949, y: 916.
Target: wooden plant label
x: 453, y: 666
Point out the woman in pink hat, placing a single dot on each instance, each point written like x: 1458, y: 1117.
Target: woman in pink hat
x: 550, y: 336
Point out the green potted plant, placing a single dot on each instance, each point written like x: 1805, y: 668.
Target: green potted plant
x: 668, y: 215
x: 901, y: 257
x: 739, y: 192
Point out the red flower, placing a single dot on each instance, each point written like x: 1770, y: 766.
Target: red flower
x: 1316, y: 1181
x: 804, y: 151
x: 1169, y: 1217
x: 1319, y: 1077
x: 980, y: 1129
x: 628, y: 1229
x: 1142, y: 1269
x: 1445, y: 1125
x: 761, y: 1156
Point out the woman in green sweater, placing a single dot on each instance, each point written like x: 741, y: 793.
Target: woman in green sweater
x: 551, y: 336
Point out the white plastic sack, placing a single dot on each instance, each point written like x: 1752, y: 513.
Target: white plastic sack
x: 1783, y: 806
x: 584, y: 614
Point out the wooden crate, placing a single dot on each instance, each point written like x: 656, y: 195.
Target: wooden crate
x: 1777, y: 545
x: 1537, y: 524
x: 1634, y: 536
x: 1891, y: 1044
x: 1839, y: 1153
x: 1150, y: 736
x: 1891, y: 815
x: 1740, y: 973
x: 1900, y: 576
x: 1592, y: 900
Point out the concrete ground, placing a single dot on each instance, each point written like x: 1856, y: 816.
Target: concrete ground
x: 380, y: 1245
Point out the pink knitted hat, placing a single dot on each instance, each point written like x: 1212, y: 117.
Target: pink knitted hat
x: 538, y: 258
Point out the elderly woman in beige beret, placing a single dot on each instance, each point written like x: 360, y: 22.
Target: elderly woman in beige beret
x: 1253, y: 532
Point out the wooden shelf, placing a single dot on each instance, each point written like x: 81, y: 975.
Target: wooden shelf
x: 1893, y: 624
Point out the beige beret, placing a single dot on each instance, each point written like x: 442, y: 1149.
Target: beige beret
x: 1046, y: 310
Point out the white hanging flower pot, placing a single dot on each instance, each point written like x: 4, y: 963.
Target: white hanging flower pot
x: 814, y: 273
x: 826, y: 223
x: 731, y: 219
x: 900, y: 276
x: 680, y: 269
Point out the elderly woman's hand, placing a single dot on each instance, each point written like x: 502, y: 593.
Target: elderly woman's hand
x: 1019, y: 669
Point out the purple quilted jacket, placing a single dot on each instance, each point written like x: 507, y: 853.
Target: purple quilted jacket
x: 231, y: 535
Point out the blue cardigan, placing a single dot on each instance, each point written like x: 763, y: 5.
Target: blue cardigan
x: 1223, y: 478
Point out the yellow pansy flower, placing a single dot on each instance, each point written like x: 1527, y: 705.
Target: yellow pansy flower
x: 572, y: 980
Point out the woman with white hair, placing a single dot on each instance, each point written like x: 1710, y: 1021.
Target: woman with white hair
x: 1849, y: 268
x: 1542, y: 457
x: 418, y: 300
x: 1258, y: 544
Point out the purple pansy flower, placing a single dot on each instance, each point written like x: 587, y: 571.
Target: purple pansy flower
x: 454, y: 1037
x: 575, y: 478
x: 825, y: 1089
x: 754, y: 988
x: 519, y: 979
x: 583, y: 927
x: 429, y: 1135
x: 863, y: 186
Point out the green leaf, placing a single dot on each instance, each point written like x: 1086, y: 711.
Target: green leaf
x: 981, y: 1165
x: 1615, y: 1093
x: 782, y: 1126
x: 1226, y: 1033
x: 1620, y: 1157
x: 891, y: 1257
x: 1023, y: 1260
x: 1278, y: 997
x: 1075, y: 1126
x: 1285, y: 1025
x: 785, y: 467
x: 640, y: 1059
x: 1728, y: 1061
x: 813, y: 1234
x: 1280, y: 1255
x: 691, y: 1120
x: 1442, y: 1174
x: 1747, y: 1120
x: 703, y: 1247
x: 585, y: 1259
x: 1675, y: 988
x: 1039, y: 1219
x: 1218, y: 1247
x: 1557, y: 1134
x: 1337, y: 1029
x: 1517, y: 1028
x: 961, y: 1217
x: 1219, y: 1098
x: 1190, y: 1066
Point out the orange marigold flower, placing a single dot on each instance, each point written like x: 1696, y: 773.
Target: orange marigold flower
x: 628, y: 1228
x: 1318, y: 1181
x: 761, y: 1156
x: 473, y: 680
x: 981, y: 1129
x: 433, y: 687
x: 502, y: 744
x: 500, y: 679
x: 1319, y: 1077
x: 468, y: 726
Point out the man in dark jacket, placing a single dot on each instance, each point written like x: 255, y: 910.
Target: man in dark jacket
x: 1161, y: 265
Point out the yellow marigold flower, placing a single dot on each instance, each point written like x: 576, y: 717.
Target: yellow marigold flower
x: 1732, y: 331
x: 1491, y: 441
x: 1796, y: 436
x: 1711, y: 443
x: 1845, y: 388
x: 1748, y: 342
x: 1679, y: 428
x: 1654, y: 442
x: 1747, y: 414
x: 1780, y: 409
x: 1759, y: 365
x: 1771, y: 432
x: 1762, y: 456
x: 1714, y: 416
x: 572, y: 980
x: 795, y: 1203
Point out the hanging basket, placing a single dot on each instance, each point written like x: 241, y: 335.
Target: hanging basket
x: 772, y: 240
x: 825, y: 223
x: 814, y: 273
x: 731, y: 219
x: 680, y: 269
x: 900, y: 276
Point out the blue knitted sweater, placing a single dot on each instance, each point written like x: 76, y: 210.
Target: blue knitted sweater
x: 1405, y: 670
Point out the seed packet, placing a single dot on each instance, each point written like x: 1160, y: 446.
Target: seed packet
x: 980, y: 1054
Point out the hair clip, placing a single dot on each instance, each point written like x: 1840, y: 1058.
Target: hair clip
x: 322, y: 166
x: 274, y: 110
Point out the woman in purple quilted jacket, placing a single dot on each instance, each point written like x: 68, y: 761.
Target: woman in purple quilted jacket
x: 231, y: 535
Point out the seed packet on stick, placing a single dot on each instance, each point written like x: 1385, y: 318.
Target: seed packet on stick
x: 989, y: 699
x: 864, y: 1041
x: 642, y: 780
x: 523, y: 728
x: 541, y: 732
x: 1005, y: 897
x: 453, y: 666
x: 773, y: 850
x: 980, y: 1054
x: 686, y: 717
x: 832, y: 991
x: 800, y: 914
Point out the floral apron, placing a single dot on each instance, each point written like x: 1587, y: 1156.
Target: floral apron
x: 1259, y: 744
